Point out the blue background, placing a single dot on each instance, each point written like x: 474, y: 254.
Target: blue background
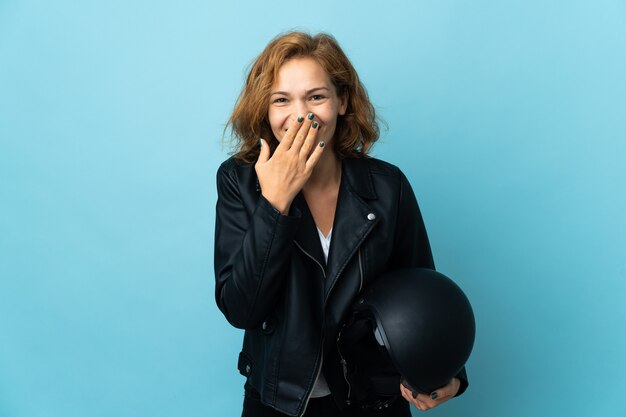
x: 509, y: 118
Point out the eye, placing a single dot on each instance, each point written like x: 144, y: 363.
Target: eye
x: 317, y: 97
x: 280, y: 100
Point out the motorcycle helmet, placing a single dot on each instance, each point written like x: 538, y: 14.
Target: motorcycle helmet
x: 413, y: 325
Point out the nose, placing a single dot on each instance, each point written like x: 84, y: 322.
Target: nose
x: 299, y: 108
x: 302, y: 108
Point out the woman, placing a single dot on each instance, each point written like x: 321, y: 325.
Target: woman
x: 281, y: 200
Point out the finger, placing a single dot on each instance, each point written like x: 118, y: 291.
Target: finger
x: 440, y: 395
x: 264, y: 155
x: 310, y: 141
x: 288, y: 137
x: 408, y: 390
x: 428, y: 402
x: 315, y: 156
x: 447, y: 391
x: 302, y: 133
x: 421, y: 406
x: 421, y: 401
x: 408, y: 395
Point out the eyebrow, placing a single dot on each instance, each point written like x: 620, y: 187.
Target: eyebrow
x: 284, y: 93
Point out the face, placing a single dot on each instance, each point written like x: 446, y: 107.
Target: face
x: 303, y: 87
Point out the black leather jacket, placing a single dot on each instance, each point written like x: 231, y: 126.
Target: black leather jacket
x: 272, y: 280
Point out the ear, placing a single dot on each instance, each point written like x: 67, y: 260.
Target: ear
x: 343, y: 103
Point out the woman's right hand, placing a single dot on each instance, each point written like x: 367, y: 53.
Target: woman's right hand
x: 283, y: 175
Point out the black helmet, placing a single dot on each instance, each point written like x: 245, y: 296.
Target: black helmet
x: 422, y: 326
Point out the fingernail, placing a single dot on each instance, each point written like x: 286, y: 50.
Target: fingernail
x: 260, y: 142
x: 310, y: 116
x: 434, y: 395
x: 314, y: 124
x: 322, y: 144
x: 300, y: 119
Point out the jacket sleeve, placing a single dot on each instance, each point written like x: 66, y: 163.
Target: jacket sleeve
x: 251, y: 253
x: 411, y: 245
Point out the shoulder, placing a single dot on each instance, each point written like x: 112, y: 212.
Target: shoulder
x: 372, y: 177
x: 376, y: 167
x: 234, y: 168
x: 233, y: 164
x: 380, y: 167
x: 235, y: 177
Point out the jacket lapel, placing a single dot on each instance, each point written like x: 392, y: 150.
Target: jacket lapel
x: 307, y: 237
x: 354, y: 218
x: 353, y: 221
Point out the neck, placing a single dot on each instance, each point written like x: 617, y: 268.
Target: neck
x: 327, y: 172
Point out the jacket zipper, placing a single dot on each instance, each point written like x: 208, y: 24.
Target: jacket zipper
x: 319, y: 369
x: 310, y: 256
x: 344, y: 365
x: 361, y: 271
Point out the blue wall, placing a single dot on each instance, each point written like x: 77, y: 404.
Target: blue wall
x: 509, y: 118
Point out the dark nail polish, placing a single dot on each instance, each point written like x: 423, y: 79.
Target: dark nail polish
x: 310, y: 116
x: 314, y: 124
x: 260, y: 142
x: 434, y: 395
x: 322, y: 144
x: 300, y: 119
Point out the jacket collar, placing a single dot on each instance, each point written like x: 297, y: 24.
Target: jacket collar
x: 353, y: 221
x: 356, y: 171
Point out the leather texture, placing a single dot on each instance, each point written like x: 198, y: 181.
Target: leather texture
x: 272, y: 280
